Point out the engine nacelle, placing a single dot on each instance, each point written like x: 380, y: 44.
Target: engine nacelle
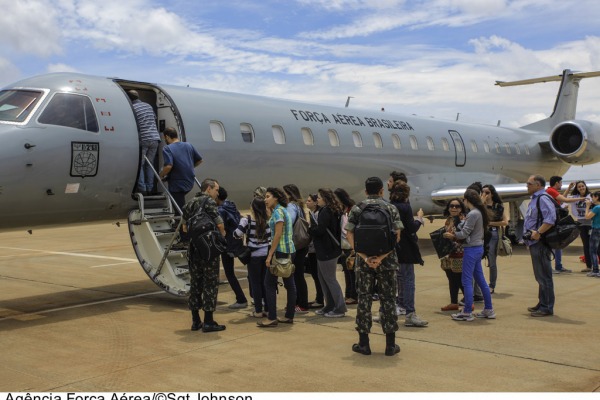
x: 576, y: 142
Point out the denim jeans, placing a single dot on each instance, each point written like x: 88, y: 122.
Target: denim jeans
x: 558, y: 259
x: 406, y: 287
x: 594, y: 242
x: 492, y: 257
x: 146, y: 181
x: 471, y: 269
x: 271, y: 282
x: 542, y: 270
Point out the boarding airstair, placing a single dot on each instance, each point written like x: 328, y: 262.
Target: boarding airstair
x: 154, y: 229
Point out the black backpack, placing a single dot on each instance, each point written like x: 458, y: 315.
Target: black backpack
x: 564, y: 231
x: 374, y: 234
x: 204, y: 235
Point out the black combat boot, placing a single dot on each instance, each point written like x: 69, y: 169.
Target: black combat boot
x: 391, y: 347
x: 196, y: 322
x: 362, y: 346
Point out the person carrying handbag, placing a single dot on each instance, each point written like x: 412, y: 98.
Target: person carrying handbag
x: 282, y: 247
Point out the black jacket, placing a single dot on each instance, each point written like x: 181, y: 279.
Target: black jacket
x: 325, y: 247
x: 408, y: 249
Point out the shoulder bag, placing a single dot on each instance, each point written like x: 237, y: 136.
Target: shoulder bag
x: 282, y: 267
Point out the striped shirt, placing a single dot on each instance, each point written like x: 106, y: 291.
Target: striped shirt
x: 286, y: 244
x: 146, y: 121
x: 258, y: 246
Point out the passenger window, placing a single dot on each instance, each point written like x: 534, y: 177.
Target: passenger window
x: 445, y: 144
x: 517, y: 149
x: 278, y: 134
x: 377, y: 140
x: 16, y: 105
x: 217, y: 131
x: 357, y: 139
x: 507, y: 147
x: 396, y: 141
x: 307, y: 137
x: 430, y: 144
x: 413, y: 142
x: 70, y: 110
x: 474, y: 146
x: 486, y: 146
x: 247, y: 133
x: 497, y: 145
x: 334, y: 140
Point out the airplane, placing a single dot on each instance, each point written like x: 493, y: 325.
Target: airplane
x: 71, y: 153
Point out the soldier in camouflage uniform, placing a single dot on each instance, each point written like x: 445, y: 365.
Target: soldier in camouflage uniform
x: 204, y: 275
x: 381, y: 268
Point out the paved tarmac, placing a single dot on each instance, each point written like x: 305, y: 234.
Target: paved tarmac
x: 77, y: 313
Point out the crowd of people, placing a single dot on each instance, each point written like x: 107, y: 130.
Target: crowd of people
x: 273, y: 231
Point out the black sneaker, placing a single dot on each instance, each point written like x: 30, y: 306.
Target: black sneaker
x: 478, y: 299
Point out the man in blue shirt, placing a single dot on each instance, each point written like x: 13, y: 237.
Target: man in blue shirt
x: 180, y: 159
x: 537, y: 222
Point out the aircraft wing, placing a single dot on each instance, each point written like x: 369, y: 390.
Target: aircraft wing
x: 509, y: 192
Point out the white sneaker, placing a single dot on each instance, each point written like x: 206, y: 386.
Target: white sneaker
x: 237, y: 306
x: 413, y: 320
x: 400, y: 310
x: 463, y: 316
x: 486, y: 313
x: 332, y: 314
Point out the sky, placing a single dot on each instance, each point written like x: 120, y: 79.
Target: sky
x: 434, y: 58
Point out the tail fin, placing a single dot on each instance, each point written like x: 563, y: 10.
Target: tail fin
x: 566, y: 100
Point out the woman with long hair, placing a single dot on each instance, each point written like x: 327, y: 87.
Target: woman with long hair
x: 491, y: 199
x: 454, y: 212
x: 257, y: 231
x: 472, y: 231
x: 580, y: 190
x: 325, y: 231
x: 295, y: 208
x: 311, y: 259
x: 349, y: 274
x: 282, y: 246
x: 408, y: 253
x: 592, y: 212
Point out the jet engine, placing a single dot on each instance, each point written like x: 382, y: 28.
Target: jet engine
x: 576, y: 142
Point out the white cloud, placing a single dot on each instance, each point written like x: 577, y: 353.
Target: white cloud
x: 60, y: 68
x: 30, y: 27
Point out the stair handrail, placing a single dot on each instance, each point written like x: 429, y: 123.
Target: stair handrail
x: 162, y: 185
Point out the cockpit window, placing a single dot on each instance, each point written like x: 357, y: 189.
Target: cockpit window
x: 16, y: 105
x: 71, y: 110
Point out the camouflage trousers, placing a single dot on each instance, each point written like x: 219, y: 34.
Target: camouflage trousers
x: 204, y: 283
x: 386, y: 281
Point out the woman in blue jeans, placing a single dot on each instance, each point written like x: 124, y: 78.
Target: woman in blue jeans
x: 471, y: 232
x: 282, y: 246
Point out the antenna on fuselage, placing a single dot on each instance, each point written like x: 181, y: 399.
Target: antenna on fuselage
x: 348, y: 100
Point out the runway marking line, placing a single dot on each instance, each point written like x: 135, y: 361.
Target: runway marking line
x: 64, y: 253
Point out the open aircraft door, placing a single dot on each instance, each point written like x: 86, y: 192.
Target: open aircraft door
x: 460, y: 155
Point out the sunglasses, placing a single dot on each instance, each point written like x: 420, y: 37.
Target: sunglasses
x: 454, y: 206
